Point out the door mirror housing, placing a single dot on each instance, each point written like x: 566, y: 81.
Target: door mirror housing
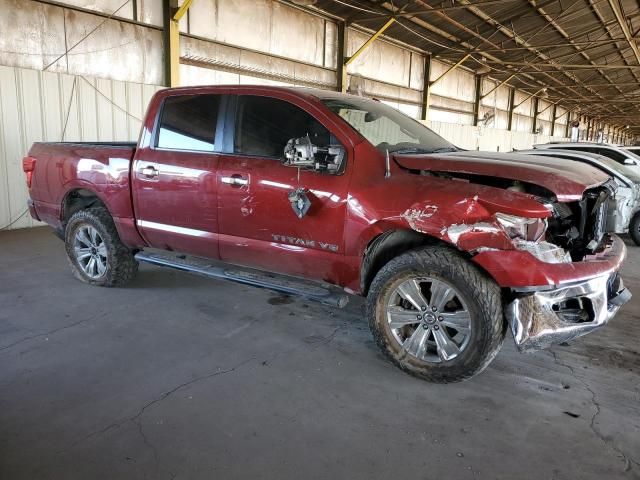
x: 302, y: 153
x: 630, y: 161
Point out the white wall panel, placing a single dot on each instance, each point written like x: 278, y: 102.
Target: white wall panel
x: 380, y: 61
x: 150, y: 11
x: 103, y: 6
x: 458, y: 84
x: 241, y: 62
x: 261, y: 25
x: 33, y: 35
x: 34, y: 107
x: 417, y: 71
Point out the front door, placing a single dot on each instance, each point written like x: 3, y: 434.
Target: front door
x: 258, y: 225
x: 174, y: 179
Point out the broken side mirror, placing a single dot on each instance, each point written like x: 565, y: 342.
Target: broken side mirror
x: 302, y: 153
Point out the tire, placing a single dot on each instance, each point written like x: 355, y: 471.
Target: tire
x: 91, y: 235
x: 634, y: 229
x: 470, y: 315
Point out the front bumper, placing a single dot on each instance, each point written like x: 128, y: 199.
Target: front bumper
x: 542, y: 318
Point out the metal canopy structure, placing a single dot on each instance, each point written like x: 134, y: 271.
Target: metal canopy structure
x: 583, y: 54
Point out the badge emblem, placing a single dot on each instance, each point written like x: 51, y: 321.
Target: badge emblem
x: 300, y: 202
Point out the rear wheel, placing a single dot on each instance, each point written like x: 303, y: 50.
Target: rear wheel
x: 435, y: 315
x: 634, y: 229
x: 95, y: 252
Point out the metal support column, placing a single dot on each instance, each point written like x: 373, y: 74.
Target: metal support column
x: 172, y: 13
x: 512, y: 101
x: 567, y: 127
x: 426, y: 89
x: 534, y: 128
x: 476, y: 101
x: 553, y: 119
x: 342, y: 69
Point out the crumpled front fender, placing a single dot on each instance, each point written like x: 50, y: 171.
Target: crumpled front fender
x: 468, y: 224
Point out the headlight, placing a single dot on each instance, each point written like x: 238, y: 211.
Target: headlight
x: 522, y: 228
x: 526, y: 233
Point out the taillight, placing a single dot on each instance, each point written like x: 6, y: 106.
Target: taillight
x: 28, y: 166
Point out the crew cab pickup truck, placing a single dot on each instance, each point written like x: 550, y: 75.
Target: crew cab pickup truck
x: 320, y: 193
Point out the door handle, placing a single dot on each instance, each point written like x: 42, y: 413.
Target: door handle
x: 235, y: 180
x: 149, y: 171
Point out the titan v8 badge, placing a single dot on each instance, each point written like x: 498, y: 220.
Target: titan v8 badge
x: 300, y: 202
x: 304, y: 242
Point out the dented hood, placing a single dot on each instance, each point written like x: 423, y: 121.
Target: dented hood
x: 567, y: 180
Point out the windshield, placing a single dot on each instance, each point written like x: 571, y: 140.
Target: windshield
x: 386, y: 128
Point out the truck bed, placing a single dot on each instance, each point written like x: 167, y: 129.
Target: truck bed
x: 62, y: 168
x: 90, y: 144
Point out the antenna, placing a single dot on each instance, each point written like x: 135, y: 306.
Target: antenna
x: 387, y: 165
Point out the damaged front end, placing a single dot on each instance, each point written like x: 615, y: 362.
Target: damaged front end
x: 558, y: 270
x: 543, y: 317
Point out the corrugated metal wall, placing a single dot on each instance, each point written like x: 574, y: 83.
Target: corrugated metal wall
x: 35, y: 105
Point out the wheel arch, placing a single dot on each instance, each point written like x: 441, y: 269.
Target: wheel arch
x: 78, y: 199
x: 388, y: 245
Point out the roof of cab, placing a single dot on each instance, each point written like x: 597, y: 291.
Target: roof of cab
x: 316, y: 93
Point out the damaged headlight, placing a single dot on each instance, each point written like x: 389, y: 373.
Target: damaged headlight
x: 526, y: 234
x: 522, y: 228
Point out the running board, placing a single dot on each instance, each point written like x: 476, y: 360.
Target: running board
x: 256, y: 278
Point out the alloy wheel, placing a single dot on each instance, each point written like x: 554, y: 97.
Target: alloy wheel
x: 429, y: 319
x: 90, y: 251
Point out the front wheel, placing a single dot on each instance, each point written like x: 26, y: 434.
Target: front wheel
x: 634, y: 229
x: 436, y: 315
x: 95, y: 252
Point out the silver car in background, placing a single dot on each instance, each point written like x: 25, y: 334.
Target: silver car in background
x: 624, y: 213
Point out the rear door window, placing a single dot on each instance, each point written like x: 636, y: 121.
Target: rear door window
x: 188, y: 122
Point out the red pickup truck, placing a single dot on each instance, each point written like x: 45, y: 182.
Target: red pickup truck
x: 319, y: 193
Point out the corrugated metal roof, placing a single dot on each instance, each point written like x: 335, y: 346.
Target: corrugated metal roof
x: 584, y: 51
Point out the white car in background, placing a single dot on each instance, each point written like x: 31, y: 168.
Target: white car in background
x: 621, y: 155
x: 624, y: 213
x: 633, y: 149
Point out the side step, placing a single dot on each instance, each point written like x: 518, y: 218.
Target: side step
x: 256, y: 278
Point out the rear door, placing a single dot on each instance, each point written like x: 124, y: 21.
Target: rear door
x: 174, y: 178
x: 258, y: 226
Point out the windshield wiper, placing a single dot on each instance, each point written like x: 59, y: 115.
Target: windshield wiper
x: 444, y: 150
x: 411, y: 150
x: 425, y: 150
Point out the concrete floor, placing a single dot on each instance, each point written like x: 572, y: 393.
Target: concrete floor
x: 182, y: 377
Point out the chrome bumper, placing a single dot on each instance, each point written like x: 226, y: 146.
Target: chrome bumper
x: 541, y: 319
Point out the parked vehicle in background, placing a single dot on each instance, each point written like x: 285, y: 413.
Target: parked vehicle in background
x: 614, y: 152
x: 448, y: 247
x: 624, y: 212
x: 635, y: 149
